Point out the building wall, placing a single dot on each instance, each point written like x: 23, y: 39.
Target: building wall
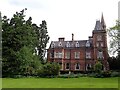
x: 82, y: 60
x: 98, y: 45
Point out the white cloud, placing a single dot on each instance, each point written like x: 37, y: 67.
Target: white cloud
x: 35, y: 4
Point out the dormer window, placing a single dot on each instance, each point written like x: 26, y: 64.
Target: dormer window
x: 77, y: 44
x: 87, y: 44
x: 53, y: 45
x: 68, y: 44
x: 60, y: 44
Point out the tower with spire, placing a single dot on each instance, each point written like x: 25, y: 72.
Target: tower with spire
x: 100, y: 42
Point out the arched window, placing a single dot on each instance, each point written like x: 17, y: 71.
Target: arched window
x: 77, y: 66
x: 77, y: 44
x: 88, y: 67
x: 67, y: 66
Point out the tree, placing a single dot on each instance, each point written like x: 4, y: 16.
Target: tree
x: 98, y: 67
x: 0, y: 46
x: 43, y: 38
x: 114, y: 34
x: 27, y: 61
x: 17, y: 33
x: 49, y: 70
x: 114, y: 63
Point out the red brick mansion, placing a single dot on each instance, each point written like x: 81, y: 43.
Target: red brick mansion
x: 81, y: 55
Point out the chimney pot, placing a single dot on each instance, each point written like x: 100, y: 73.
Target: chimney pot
x: 72, y: 37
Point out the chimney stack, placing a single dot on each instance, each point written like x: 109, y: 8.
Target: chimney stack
x: 72, y: 37
x: 61, y: 39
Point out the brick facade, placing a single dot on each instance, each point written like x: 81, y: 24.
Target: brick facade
x: 81, y: 55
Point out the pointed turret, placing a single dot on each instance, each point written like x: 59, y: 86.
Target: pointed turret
x: 98, y: 25
x: 103, y: 22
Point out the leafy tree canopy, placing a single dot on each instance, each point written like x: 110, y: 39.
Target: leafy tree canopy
x: 114, y: 34
x: 20, y: 38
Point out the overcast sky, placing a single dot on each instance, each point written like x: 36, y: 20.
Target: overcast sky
x: 65, y: 17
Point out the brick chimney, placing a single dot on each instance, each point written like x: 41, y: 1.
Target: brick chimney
x: 72, y: 37
x: 61, y: 39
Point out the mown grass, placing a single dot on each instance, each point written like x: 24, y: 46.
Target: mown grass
x: 82, y: 82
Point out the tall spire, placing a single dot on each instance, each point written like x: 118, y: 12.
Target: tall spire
x: 103, y: 22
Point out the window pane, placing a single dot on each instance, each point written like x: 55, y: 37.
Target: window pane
x: 77, y: 66
x: 101, y: 44
x: 67, y: 55
x: 97, y: 44
x: 99, y: 38
x: 100, y: 55
x: 77, y: 55
x: 88, y: 55
x: 67, y: 66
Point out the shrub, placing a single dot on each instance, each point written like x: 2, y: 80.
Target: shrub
x: 102, y: 74
x: 98, y: 67
x: 91, y: 74
x: 98, y: 75
x: 48, y: 70
x: 106, y: 73
x: 68, y: 76
x: 115, y: 74
x: 27, y: 62
x: 18, y: 76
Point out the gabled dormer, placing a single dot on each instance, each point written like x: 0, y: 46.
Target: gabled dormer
x: 87, y: 44
x: 68, y: 44
x: 52, y: 44
x: 77, y: 44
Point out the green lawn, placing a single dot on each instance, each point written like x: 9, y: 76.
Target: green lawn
x: 82, y: 82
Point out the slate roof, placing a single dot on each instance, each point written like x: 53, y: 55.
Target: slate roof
x: 70, y: 44
x: 99, y: 27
